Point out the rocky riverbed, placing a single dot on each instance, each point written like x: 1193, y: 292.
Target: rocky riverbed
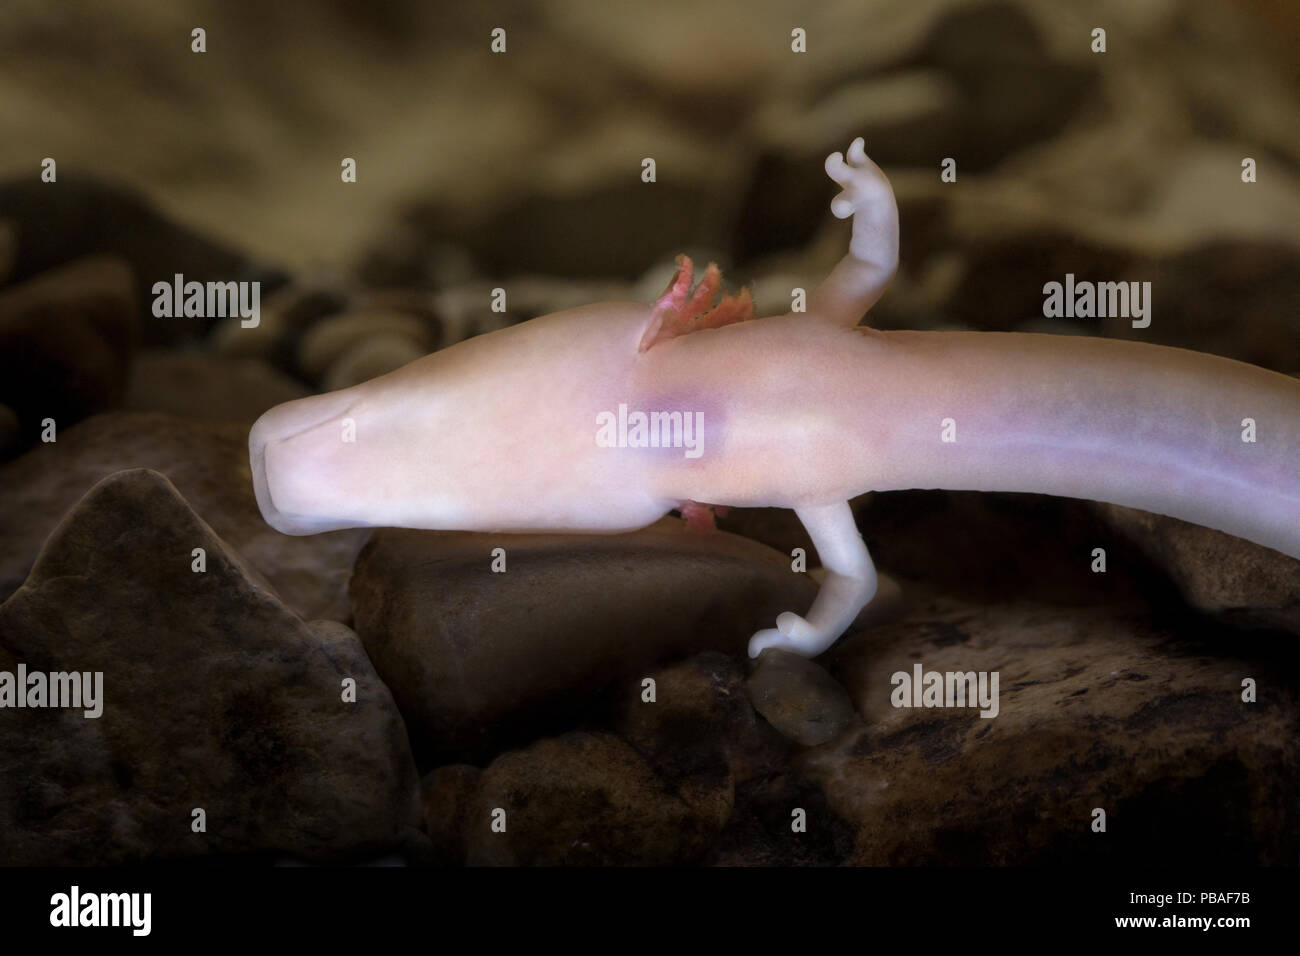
x: 382, y: 695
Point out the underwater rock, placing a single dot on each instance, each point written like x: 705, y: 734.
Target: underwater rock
x: 1244, y: 583
x: 691, y: 723
x: 371, y: 358
x: 946, y: 97
x: 798, y: 698
x: 984, y: 51
x: 1098, y: 707
x: 476, y: 657
x: 446, y: 798
x: 466, y: 310
x: 579, y: 230
x: 699, y: 732
x: 82, y: 217
x: 207, y: 388
x: 214, y: 696
x: 761, y: 829
x: 66, y: 340
x: 585, y: 799
x: 330, y: 339
x: 533, y: 295
x: 208, y: 462
x: 692, y: 727
x: 401, y: 256
x: 1255, y: 226
x: 284, y: 315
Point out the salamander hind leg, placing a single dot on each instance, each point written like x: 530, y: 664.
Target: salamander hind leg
x: 850, y: 585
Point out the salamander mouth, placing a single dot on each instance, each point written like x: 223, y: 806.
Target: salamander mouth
x: 269, y: 454
x: 286, y: 522
x: 271, y: 513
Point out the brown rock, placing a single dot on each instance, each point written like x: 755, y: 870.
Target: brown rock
x: 692, y: 746
x: 700, y: 733
x: 401, y: 256
x: 330, y: 339
x: 799, y: 698
x: 207, y: 388
x: 987, y: 51
x: 476, y: 657
x: 581, y: 229
x: 1098, y: 707
x: 692, y: 729
x: 66, y: 340
x: 369, y: 359
x: 419, y: 303
x: 209, y: 464
x: 949, y: 97
x: 79, y: 217
x: 465, y: 311
x: 446, y: 797
x: 1246, y: 584
x: 761, y: 833
x: 283, y: 316
x: 582, y: 799
x: 214, y: 696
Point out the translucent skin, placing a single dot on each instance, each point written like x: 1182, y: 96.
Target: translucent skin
x: 804, y: 411
x: 495, y: 433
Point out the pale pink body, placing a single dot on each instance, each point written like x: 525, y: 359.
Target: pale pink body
x: 804, y: 411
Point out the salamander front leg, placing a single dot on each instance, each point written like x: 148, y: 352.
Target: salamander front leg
x: 850, y: 585
x: 861, y: 277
